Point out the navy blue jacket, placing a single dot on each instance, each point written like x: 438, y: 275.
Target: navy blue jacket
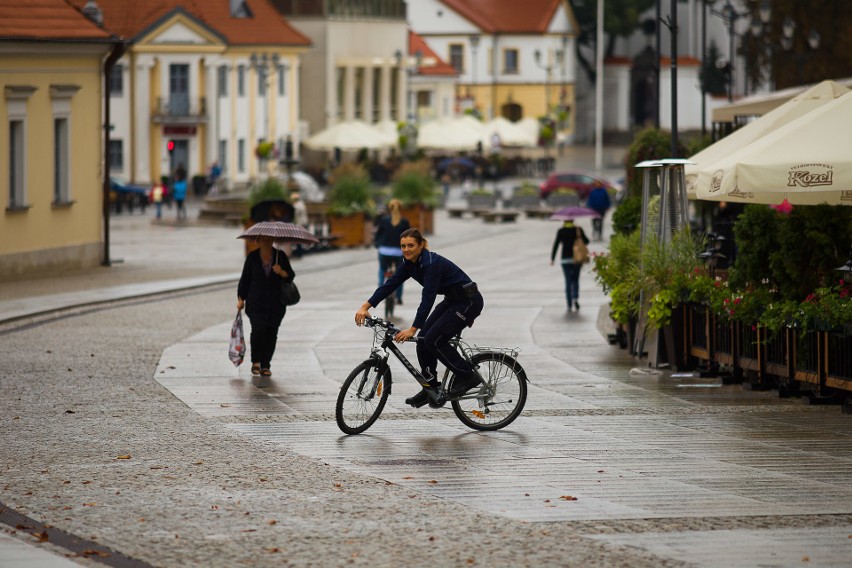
x: 435, y: 273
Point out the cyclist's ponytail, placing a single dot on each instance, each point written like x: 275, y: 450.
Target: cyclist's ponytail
x: 415, y: 234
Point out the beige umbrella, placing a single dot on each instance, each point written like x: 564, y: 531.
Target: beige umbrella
x: 802, y: 104
x: 508, y: 132
x: 348, y: 135
x: 807, y: 161
x: 389, y: 129
x: 447, y: 134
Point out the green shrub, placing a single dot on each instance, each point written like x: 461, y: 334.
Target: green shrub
x: 649, y: 144
x: 350, y: 190
x: 412, y: 184
x: 270, y: 189
x: 627, y: 216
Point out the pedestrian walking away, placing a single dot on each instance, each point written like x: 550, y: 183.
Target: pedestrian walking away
x: 461, y: 305
x: 157, y: 195
x: 389, y: 229
x: 599, y: 201
x: 259, y: 291
x: 566, y: 236
x: 300, y: 217
x: 180, y: 191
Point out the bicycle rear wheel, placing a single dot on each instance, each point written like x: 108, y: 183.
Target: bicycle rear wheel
x: 362, y: 397
x: 496, y: 404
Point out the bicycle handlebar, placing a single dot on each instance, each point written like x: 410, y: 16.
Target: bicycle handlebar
x: 379, y: 322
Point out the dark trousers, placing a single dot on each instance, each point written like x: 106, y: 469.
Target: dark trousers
x: 181, y: 210
x: 597, y: 227
x: 263, y: 340
x: 572, y: 282
x: 447, y: 319
x: 384, y: 263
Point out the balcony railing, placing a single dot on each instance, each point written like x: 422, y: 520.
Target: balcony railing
x: 180, y: 110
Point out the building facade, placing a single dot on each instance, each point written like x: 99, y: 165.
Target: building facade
x: 201, y: 82
x: 51, y: 141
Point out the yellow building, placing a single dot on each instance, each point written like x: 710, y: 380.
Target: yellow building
x: 51, y: 143
x: 201, y: 82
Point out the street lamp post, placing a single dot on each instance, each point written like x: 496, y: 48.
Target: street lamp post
x: 548, y: 68
x: 261, y: 64
x: 813, y: 39
x: 474, y: 46
x: 409, y: 130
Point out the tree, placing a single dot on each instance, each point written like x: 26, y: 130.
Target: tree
x: 621, y: 19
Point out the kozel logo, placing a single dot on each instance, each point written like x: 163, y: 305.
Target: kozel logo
x: 810, y: 175
x: 716, y: 181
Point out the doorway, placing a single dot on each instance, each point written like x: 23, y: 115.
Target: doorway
x: 179, y: 156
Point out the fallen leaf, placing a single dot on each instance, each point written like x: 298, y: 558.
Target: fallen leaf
x: 123, y: 457
x: 433, y: 481
x: 601, y: 471
x: 412, y: 477
x: 567, y: 498
x: 70, y: 412
x: 273, y: 550
x: 89, y: 552
x: 805, y: 559
x: 93, y: 504
x: 41, y: 536
x: 547, y: 500
x: 86, y: 482
x: 526, y: 494
x: 271, y: 522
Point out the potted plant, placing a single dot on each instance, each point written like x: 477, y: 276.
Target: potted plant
x: 481, y: 198
x: 350, y: 205
x: 414, y: 186
x: 526, y: 196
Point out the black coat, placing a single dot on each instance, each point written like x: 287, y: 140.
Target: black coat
x: 262, y: 293
x: 566, y: 237
x: 388, y: 235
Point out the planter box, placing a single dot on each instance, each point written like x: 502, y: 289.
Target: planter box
x: 525, y: 201
x: 555, y: 200
x: 481, y: 201
x: 349, y: 230
x: 420, y: 217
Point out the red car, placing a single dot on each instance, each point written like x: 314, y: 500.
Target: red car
x: 581, y: 182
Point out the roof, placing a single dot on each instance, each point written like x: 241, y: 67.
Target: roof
x: 507, y: 16
x: 55, y: 20
x: 131, y: 18
x: 439, y: 67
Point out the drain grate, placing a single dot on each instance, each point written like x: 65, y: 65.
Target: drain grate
x: 80, y: 547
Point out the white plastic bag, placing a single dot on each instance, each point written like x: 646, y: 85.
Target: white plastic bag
x: 237, y: 346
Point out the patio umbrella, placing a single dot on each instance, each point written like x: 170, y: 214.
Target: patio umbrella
x: 509, y: 133
x: 806, y: 162
x: 281, y: 232
x: 348, y: 135
x: 447, y: 134
x: 571, y: 213
x: 802, y: 104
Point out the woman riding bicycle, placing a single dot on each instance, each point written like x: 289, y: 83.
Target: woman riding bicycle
x: 389, y: 229
x: 462, y: 303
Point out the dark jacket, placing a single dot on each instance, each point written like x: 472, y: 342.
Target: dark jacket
x: 435, y: 273
x: 262, y: 293
x: 388, y: 235
x: 566, y: 237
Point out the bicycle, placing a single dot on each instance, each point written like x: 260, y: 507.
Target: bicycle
x: 493, y: 405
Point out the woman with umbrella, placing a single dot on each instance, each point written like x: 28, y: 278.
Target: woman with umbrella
x: 259, y: 289
x: 566, y: 236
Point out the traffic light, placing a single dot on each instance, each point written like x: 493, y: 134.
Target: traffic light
x: 170, y: 146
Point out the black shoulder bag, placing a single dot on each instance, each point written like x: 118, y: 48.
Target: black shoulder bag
x: 289, y: 293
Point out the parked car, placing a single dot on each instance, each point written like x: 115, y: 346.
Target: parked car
x: 581, y: 182
x: 127, y: 195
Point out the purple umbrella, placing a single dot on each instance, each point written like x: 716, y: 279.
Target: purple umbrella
x: 281, y: 232
x: 571, y: 213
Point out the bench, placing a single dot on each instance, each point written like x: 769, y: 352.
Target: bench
x: 538, y: 212
x: 459, y: 212
x: 501, y: 216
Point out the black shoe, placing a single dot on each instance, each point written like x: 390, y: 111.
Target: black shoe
x: 419, y: 399
x: 462, y: 385
x: 577, y: 306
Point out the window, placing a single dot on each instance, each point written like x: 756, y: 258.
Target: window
x: 282, y: 80
x: 261, y: 80
x: 510, y: 61
x: 116, y: 155
x: 241, y: 155
x: 116, y: 81
x: 223, y: 155
x: 16, y: 164
x: 223, y: 80
x: 241, y: 80
x: 61, y: 192
x: 457, y: 57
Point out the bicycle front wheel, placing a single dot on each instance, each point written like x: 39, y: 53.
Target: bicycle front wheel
x: 362, y: 397
x: 497, y: 403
